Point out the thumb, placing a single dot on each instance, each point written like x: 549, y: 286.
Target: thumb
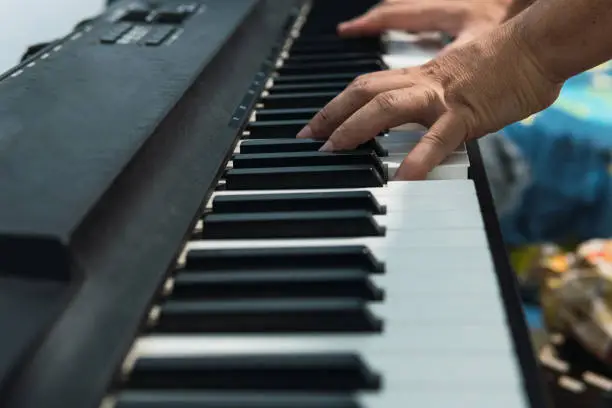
x: 437, y: 144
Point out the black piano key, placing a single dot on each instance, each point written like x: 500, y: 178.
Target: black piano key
x: 296, y: 178
x: 267, y: 316
x: 291, y: 284
x: 297, y: 100
x: 327, y: 201
x: 275, y: 129
x: 298, y: 224
x: 373, y: 42
x: 286, y: 114
x: 333, y: 67
x: 605, y: 400
x: 300, y: 145
x: 330, y: 47
x: 333, y: 372
x: 345, y: 56
x: 202, y: 399
x: 255, y: 259
x: 279, y: 129
x: 303, y: 79
x: 338, y: 87
x: 316, y: 158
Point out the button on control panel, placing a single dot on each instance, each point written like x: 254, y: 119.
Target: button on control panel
x: 136, y: 14
x: 173, y: 14
x: 158, y: 34
x: 115, y: 33
x: 148, y: 25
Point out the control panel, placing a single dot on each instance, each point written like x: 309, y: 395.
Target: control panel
x: 147, y: 24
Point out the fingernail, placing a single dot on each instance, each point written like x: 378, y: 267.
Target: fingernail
x: 327, y: 147
x: 305, y: 133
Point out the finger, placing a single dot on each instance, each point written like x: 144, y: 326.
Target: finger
x: 439, y: 142
x: 387, y: 110
x: 407, y: 16
x: 356, y: 95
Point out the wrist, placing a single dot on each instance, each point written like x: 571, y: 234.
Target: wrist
x: 534, y: 50
x: 566, y: 37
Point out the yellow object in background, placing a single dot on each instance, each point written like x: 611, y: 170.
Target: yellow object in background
x: 559, y: 263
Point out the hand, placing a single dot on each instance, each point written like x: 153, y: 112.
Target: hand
x: 473, y: 90
x: 462, y: 19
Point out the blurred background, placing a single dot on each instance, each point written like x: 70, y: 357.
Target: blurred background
x: 25, y: 22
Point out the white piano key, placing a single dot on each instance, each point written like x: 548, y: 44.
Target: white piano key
x: 431, y: 220
x: 416, y: 338
x: 415, y: 220
x: 402, y: 306
x: 443, y: 273
x: 393, y: 240
x: 394, y: 201
x: 440, y: 189
x: 423, y: 258
x: 447, y: 397
x: 401, y: 138
x: 406, y: 147
x: 453, y: 167
x: 438, y: 281
x: 389, y: 354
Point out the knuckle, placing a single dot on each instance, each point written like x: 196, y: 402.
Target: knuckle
x: 435, y: 140
x: 320, y: 122
x: 430, y: 95
x: 388, y: 102
x: 324, y: 116
x: 362, y: 87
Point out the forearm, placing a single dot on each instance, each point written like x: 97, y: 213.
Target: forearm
x: 516, y: 6
x: 567, y: 37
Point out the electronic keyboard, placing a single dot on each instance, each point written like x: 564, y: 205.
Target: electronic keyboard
x: 166, y: 241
